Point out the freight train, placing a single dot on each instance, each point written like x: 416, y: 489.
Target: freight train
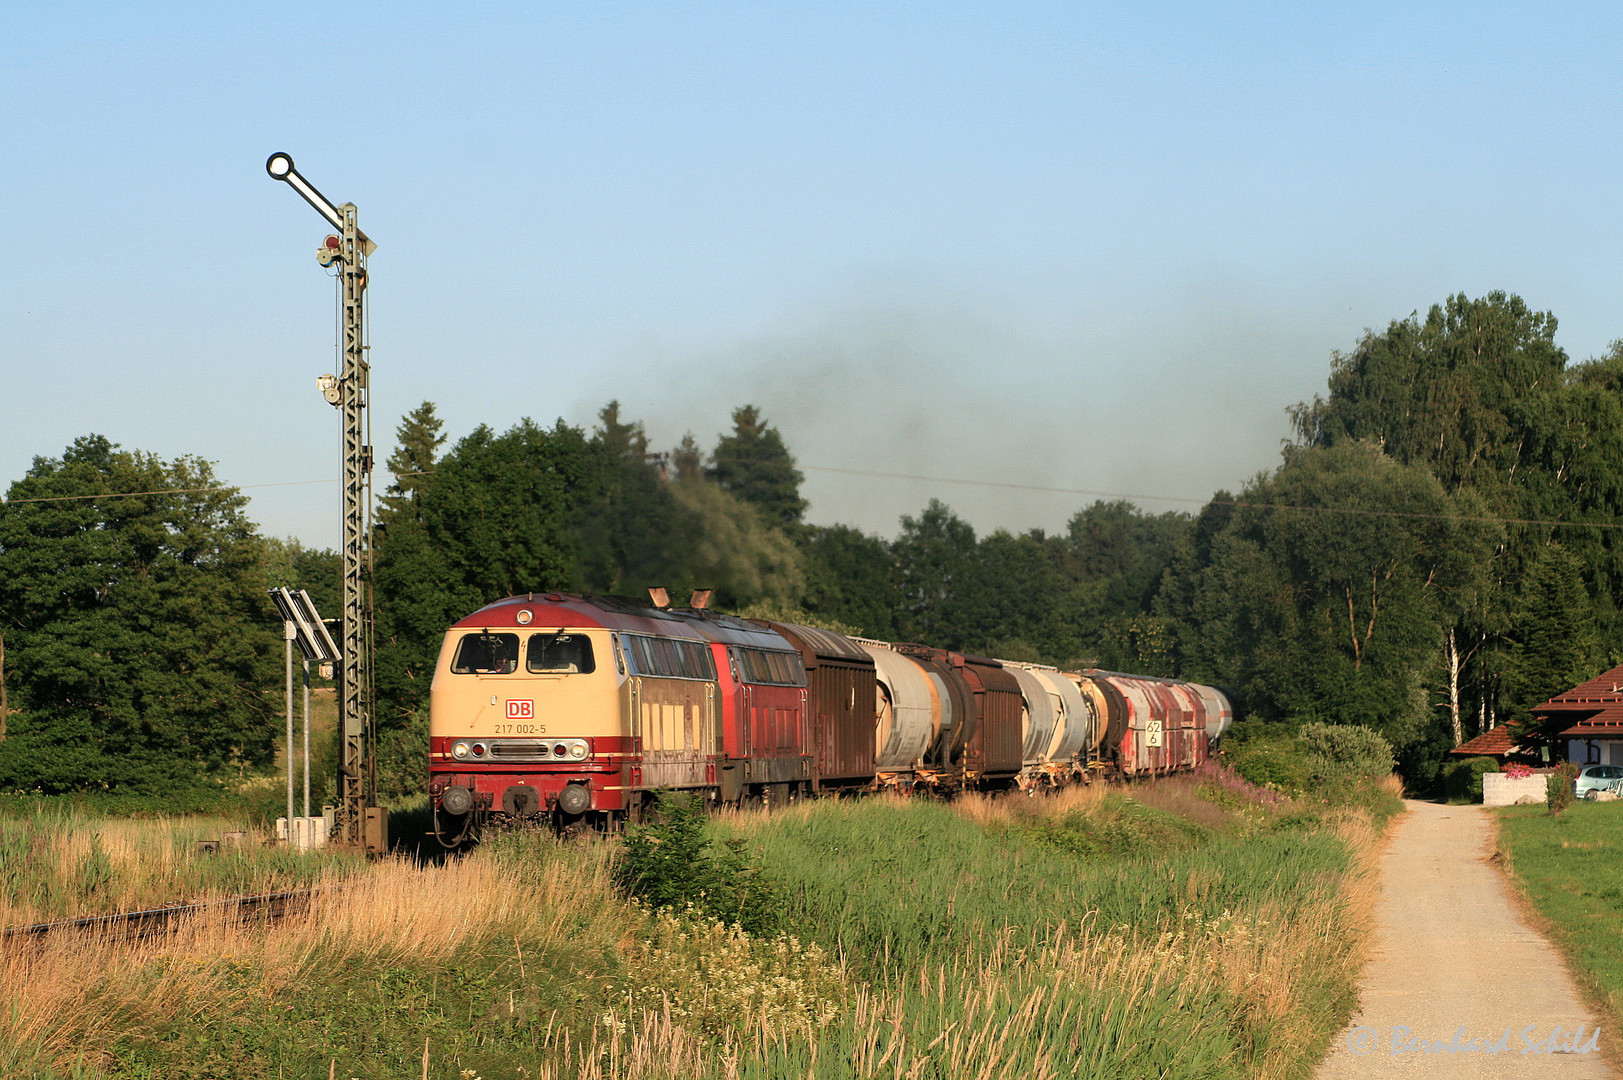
x: 582, y: 708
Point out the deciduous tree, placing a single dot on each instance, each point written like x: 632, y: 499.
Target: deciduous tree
x: 141, y: 643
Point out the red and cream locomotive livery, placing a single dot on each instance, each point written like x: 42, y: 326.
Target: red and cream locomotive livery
x: 582, y: 707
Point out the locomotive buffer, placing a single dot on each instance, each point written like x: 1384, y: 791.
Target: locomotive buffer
x: 359, y: 821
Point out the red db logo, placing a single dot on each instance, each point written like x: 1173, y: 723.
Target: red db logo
x: 521, y: 710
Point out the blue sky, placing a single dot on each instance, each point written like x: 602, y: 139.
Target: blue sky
x: 1086, y: 247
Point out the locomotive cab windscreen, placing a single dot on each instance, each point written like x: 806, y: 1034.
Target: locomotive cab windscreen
x: 486, y: 654
x: 559, y: 654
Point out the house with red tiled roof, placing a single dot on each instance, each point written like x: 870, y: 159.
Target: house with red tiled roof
x: 1498, y: 743
x: 1589, y: 717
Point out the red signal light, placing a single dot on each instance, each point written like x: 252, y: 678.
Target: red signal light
x: 333, y: 243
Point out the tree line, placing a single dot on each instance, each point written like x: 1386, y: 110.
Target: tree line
x: 1435, y: 552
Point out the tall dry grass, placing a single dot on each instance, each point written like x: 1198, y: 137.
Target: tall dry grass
x: 71, y: 996
x: 67, y: 863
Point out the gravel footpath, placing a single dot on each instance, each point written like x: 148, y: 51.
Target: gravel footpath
x: 1451, y: 952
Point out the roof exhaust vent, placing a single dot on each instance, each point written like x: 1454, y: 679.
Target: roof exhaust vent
x: 701, y: 599
x: 660, y: 597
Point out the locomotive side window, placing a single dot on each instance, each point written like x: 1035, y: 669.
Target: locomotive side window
x: 668, y: 658
x: 772, y: 668
x: 486, y: 654
x: 558, y: 654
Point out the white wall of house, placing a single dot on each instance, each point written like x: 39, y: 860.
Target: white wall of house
x: 1595, y: 751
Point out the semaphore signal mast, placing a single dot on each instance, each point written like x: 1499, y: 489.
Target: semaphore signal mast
x: 360, y: 822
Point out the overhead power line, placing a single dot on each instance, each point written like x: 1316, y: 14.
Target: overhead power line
x: 1007, y: 485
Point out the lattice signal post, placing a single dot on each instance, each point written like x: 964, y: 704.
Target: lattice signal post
x: 359, y: 822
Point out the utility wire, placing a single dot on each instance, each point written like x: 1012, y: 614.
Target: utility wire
x: 1000, y: 484
x: 1482, y: 519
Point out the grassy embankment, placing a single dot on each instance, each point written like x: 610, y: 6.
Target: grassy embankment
x: 1570, y: 867
x: 1180, y: 930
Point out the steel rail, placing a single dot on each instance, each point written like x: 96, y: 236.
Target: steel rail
x: 153, y: 922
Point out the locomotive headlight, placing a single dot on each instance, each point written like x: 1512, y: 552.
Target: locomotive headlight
x: 478, y: 749
x: 459, y: 750
x: 578, y: 751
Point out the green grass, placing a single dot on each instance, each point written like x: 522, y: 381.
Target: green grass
x: 896, y: 885
x: 900, y: 888
x: 1107, y: 936
x: 1571, y: 868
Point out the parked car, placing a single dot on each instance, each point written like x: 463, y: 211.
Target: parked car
x: 1597, y: 778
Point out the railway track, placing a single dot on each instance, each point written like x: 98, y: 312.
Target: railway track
x: 260, y: 909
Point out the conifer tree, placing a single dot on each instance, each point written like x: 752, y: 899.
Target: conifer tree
x: 1553, y: 641
x: 412, y: 463
x: 753, y: 464
x: 687, y: 460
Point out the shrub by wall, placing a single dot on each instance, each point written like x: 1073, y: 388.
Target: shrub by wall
x: 1558, y: 789
x: 1462, y: 777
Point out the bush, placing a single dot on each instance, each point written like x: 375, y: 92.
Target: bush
x: 402, y: 757
x: 1267, y: 755
x: 1558, y: 788
x: 1462, y: 777
x: 672, y: 864
x: 1345, y: 754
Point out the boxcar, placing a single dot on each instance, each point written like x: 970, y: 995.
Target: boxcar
x: 842, y: 713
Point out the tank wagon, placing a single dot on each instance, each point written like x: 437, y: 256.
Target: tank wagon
x: 582, y: 707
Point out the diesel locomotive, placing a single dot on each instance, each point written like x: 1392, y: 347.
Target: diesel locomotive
x: 582, y: 707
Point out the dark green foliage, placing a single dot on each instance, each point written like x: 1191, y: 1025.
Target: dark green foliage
x: 1478, y: 394
x: 1450, y: 393
x: 1342, y: 755
x: 849, y: 578
x: 674, y: 863
x: 139, y: 639
x: 1268, y: 755
x: 402, y: 758
x: 538, y: 509
x: 1128, y: 550
x: 1552, y: 643
x: 935, y: 565
x: 753, y: 464
x: 1462, y: 777
x: 1559, y: 787
x: 496, y: 520
x: 624, y: 527
x: 1319, y: 600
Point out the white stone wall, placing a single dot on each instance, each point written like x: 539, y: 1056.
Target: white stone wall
x: 1500, y: 790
